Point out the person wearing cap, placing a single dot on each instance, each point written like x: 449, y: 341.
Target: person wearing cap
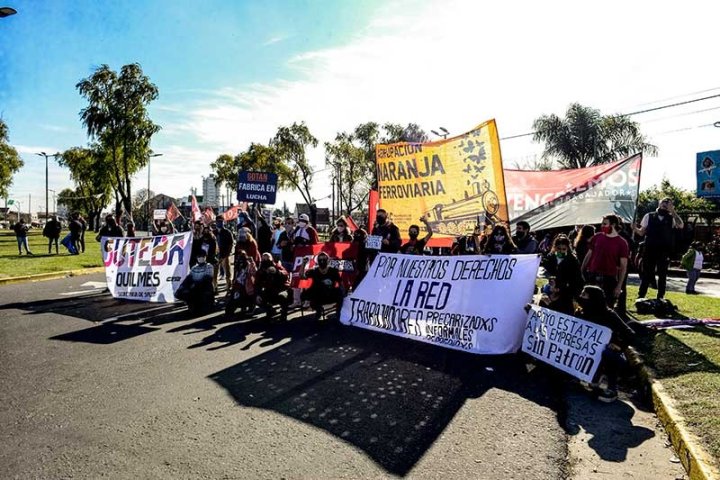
x: 247, y: 243
x: 305, y: 234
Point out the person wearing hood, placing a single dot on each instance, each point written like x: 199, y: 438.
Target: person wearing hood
x: 341, y: 233
x: 658, y: 228
x: 525, y: 243
x: 499, y: 242
x: 415, y: 246
x: 593, y: 308
x: 272, y: 287
x: 304, y: 233
x: 247, y: 243
x: 325, y: 287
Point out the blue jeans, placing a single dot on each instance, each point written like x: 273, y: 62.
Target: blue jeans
x: 22, y: 242
x: 693, y: 275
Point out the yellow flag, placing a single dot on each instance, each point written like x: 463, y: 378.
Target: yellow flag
x: 455, y: 183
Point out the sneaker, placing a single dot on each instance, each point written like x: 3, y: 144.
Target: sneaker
x: 607, y: 395
x: 319, y: 313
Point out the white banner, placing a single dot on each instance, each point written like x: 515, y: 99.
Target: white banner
x: 160, y: 214
x: 147, y: 269
x: 568, y: 343
x: 469, y: 303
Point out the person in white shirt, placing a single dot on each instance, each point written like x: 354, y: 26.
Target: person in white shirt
x: 692, y: 261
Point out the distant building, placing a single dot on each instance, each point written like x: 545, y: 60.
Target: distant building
x: 161, y: 201
x: 211, y: 191
x: 323, y: 214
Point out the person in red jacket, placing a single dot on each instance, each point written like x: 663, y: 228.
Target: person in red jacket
x: 304, y: 233
x: 247, y: 243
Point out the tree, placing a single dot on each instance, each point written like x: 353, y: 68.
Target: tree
x: 10, y: 161
x: 72, y: 200
x: 684, y: 201
x: 290, y: 144
x: 140, y: 206
x: 352, y: 172
x: 585, y: 137
x: 257, y: 158
x: 90, y: 171
x: 117, y: 117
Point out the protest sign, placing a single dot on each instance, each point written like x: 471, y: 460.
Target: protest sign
x: 159, y: 214
x: 450, y: 182
x: 258, y: 187
x: 342, y: 257
x: 708, y: 174
x: 147, y: 269
x: 568, y: 343
x: 469, y: 303
x: 373, y: 242
x: 579, y: 196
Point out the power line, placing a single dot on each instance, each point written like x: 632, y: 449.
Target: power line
x: 639, y: 112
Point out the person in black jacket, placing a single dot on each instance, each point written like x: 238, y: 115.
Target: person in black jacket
x: 264, y: 234
x: 593, y: 307
x: 390, y: 233
x: 52, y: 231
x: 499, y: 242
x: 110, y: 229
x: 325, y: 287
x: 341, y: 234
x: 21, y: 229
x: 564, y: 266
x: 225, y: 244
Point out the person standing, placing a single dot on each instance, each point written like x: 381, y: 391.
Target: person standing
x: 389, y: 232
x: 278, y: 229
x: 110, y: 229
x: 469, y: 244
x: 264, y: 234
x: 582, y: 241
x: 21, y: 230
x: 52, y: 231
x: 565, y: 268
x: 130, y: 229
x: 692, y: 261
x: 658, y: 229
x: 81, y: 243
x: 285, y: 243
x: 225, y: 248
x: 525, y: 243
x: 75, y: 228
x: 499, y: 242
x: 415, y: 246
x: 304, y: 233
x: 607, y: 258
x: 341, y: 234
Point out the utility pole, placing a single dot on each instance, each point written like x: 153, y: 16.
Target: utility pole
x: 47, y: 188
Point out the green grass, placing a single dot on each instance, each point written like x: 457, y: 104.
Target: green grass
x: 688, y: 364
x: 12, y: 265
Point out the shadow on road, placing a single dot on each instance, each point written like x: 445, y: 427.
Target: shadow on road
x: 391, y: 398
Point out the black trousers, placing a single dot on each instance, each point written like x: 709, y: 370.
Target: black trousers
x: 322, y: 296
x: 654, y: 260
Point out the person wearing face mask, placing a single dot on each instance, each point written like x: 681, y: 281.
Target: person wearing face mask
x: 225, y: 247
x: 197, y: 237
x: 264, y: 233
x: 499, y: 242
x: 389, y: 232
x: 341, y: 233
x: 110, y: 229
x: 658, y: 228
x: 469, y: 244
x: 525, y: 243
x: 247, y: 243
x: 285, y: 244
x: 197, y: 288
x: 208, y: 248
x: 272, y: 287
x: 565, y: 268
x: 415, y: 246
x: 242, y: 293
x: 304, y: 233
x: 605, y: 263
x: 325, y: 287
x: 361, y: 263
x: 278, y: 229
x: 593, y: 308
x: 244, y: 220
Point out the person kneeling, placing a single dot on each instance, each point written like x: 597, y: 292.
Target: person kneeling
x: 325, y: 287
x: 272, y: 287
x: 197, y: 288
x: 242, y: 293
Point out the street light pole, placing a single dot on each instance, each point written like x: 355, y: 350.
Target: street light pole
x: 54, y: 155
x: 147, y: 205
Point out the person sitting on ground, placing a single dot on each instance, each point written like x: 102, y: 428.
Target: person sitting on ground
x: 110, y: 229
x: 272, y: 287
x: 242, y: 293
x: 692, y: 261
x: 21, y: 230
x: 499, y: 242
x: 304, y: 233
x: 246, y: 242
x: 470, y: 244
x: 325, y: 287
x: 415, y: 246
x: 593, y: 307
x: 524, y: 241
x: 552, y: 298
x: 197, y: 289
x: 341, y: 233
x: 565, y: 268
x: 52, y: 231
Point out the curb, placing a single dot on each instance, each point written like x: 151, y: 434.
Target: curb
x: 50, y: 276
x: 693, y: 457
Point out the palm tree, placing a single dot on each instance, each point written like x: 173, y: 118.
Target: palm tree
x: 585, y: 137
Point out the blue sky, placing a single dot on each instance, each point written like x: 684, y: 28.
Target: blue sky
x: 231, y: 72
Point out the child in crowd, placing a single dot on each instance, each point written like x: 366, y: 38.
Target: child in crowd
x: 692, y: 261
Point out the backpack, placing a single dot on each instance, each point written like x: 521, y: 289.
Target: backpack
x: 659, y: 307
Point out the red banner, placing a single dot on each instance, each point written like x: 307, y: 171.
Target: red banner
x: 373, y: 205
x: 341, y: 256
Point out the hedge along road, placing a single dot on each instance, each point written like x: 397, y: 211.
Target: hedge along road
x: 150, y: 392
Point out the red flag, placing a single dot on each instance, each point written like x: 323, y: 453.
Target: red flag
x: 231, y: 213
x: 374, y: 205
x: 351, y: 223
x: 208, y: 216
x: 196, y: 215
x: 173, y: 212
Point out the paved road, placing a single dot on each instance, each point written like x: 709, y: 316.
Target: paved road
x: 151, y: 393
x: 706, y: 286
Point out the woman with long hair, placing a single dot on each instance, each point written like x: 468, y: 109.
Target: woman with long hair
x: 499, y: 242
x: 565, y: 267
x: 582, y: 242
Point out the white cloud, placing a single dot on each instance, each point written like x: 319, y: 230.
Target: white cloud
x: 275, y: 39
